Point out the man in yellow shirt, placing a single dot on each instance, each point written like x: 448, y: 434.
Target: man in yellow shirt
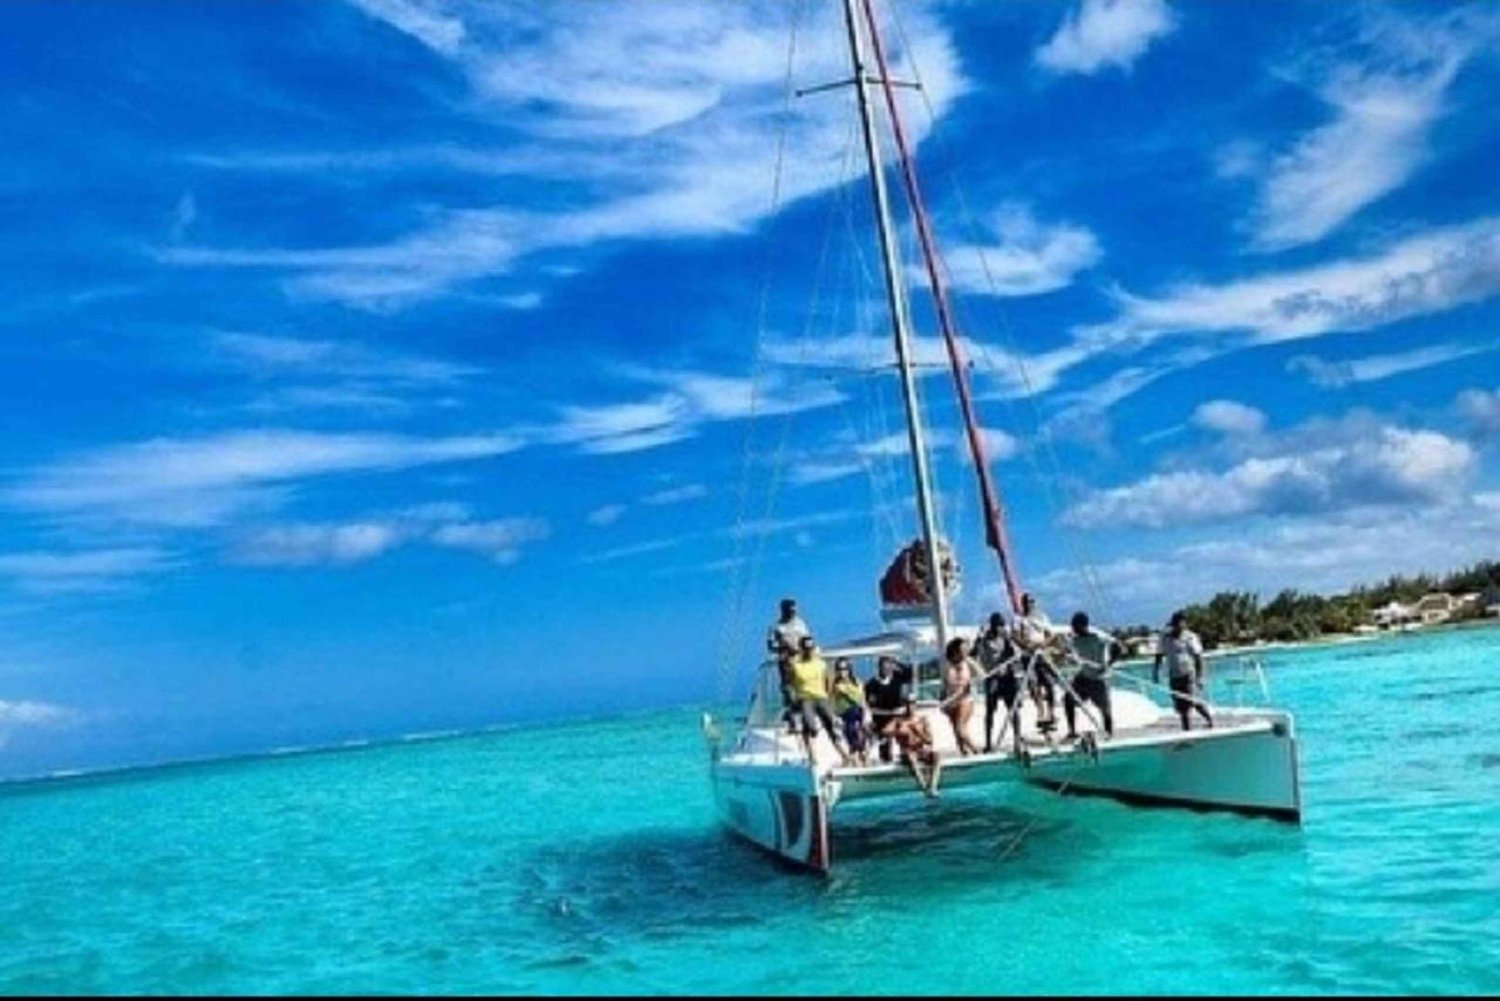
x: 807, y: 677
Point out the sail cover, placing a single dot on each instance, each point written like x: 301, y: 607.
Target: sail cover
x: 906, y: 581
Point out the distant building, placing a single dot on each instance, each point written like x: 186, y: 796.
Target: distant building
x: 1436, y: 607
x: 1394, y: 615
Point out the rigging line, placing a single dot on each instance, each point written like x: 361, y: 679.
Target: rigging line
x: 774, y: 480
x: 995, y: 534
x: 731, y: 634
x: 886, y: 488
x: 1079, y: 558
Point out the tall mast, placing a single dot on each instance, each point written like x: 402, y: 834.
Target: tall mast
x: 994, y: 515
x: 895, y: 288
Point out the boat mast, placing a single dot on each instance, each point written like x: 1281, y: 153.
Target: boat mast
x: 895, y: 288
x: 994, y: 515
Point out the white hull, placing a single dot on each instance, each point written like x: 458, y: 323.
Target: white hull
x: 767, y: 792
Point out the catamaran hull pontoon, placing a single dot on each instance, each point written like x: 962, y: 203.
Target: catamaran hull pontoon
x: 767, y: 792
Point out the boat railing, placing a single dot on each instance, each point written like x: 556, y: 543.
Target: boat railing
x: 1237, y: 682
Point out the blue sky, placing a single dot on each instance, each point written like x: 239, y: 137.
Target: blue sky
x: 398, y: 365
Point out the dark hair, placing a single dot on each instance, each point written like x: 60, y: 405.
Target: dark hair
x: 805, y: 643
x: 1177, y: 617
x: 843, y: 664
x: 996, y: 619
x: 1080, y: 620
x: 955, y: 648
x: 788, y: 602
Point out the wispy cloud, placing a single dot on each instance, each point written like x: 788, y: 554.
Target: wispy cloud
x: 1374, y: 368
x: 325, y: 544
x: 1027, y: 257
x: 1384, y: 97
x: 206, y: 480
x: 267, y: 355
x: 696, y: 91
x: 606, y: 515
x: 1100, y: 34
x: 501, y: 540
x: 68, y: 572
x: 688, y: 401
x: 628, y: 552
x: 676, y: 495
x: 1427, y: 273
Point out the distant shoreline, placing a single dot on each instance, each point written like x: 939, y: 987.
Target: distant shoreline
x: 1333, y: 640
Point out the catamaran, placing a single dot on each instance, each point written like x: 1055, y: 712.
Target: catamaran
x: 783, y: 793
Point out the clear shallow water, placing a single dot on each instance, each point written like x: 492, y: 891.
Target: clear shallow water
x: 575, y: 859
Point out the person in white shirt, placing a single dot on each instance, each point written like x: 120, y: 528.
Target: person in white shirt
x: 1180, y: 647
x: 783, y: 640
x: 785, y: 635
x: 1091, y: 652
x: 1034, y: 634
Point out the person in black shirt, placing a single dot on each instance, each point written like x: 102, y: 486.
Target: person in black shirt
x: 998, y: 656
x: 885, y: 694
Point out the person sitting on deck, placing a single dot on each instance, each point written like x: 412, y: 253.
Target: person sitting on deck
x: 998, y: 656
x: 885, y: 695
x: 1034, y: 634
x: 1183, y: 651
x: 849, y: 706
x: 959, y: 674
x: 914, y: 737
x: 808, y: 674
x: 1092, y: 651
x: 782, y: 641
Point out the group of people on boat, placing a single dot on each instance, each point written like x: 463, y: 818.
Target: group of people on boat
x: 1028, y: 657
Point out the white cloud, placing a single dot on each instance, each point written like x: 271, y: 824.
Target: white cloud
x: 688, y: 401
x: 606, y: 515
x: 336, y: 544
x: 1028, y: 258
x: 1229, y: 417
x: 628, y: 552
x: 667, y: 114
x: 1481, y: 408
x: 262, y: 354
x: 1104, y: 33
x: 1361, y: 464
x: 1431, y: 272
x: 676, y: 495
x: 46, y: 572
x: 1373, y: 368
x: 314, y: 545
x: 16, y: 714
x: 1384, y: 104
x: 205, y: 480
x: 432, y: 29
x: 500, y: 540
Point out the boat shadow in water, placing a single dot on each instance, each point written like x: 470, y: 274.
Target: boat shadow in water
x: 669, y: 884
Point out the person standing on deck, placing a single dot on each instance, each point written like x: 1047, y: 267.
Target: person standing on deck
x: 886, y: 695
x: 1183, y: 652
x: 1034, y: 633
x: 1092, y: 651
x: 808, y: 677
x: 959, y: 674
x: 998, y: 656
x: 849, y: 706
x: 782, y: 641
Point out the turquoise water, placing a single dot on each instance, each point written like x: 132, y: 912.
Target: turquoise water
x: 585, y: 858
